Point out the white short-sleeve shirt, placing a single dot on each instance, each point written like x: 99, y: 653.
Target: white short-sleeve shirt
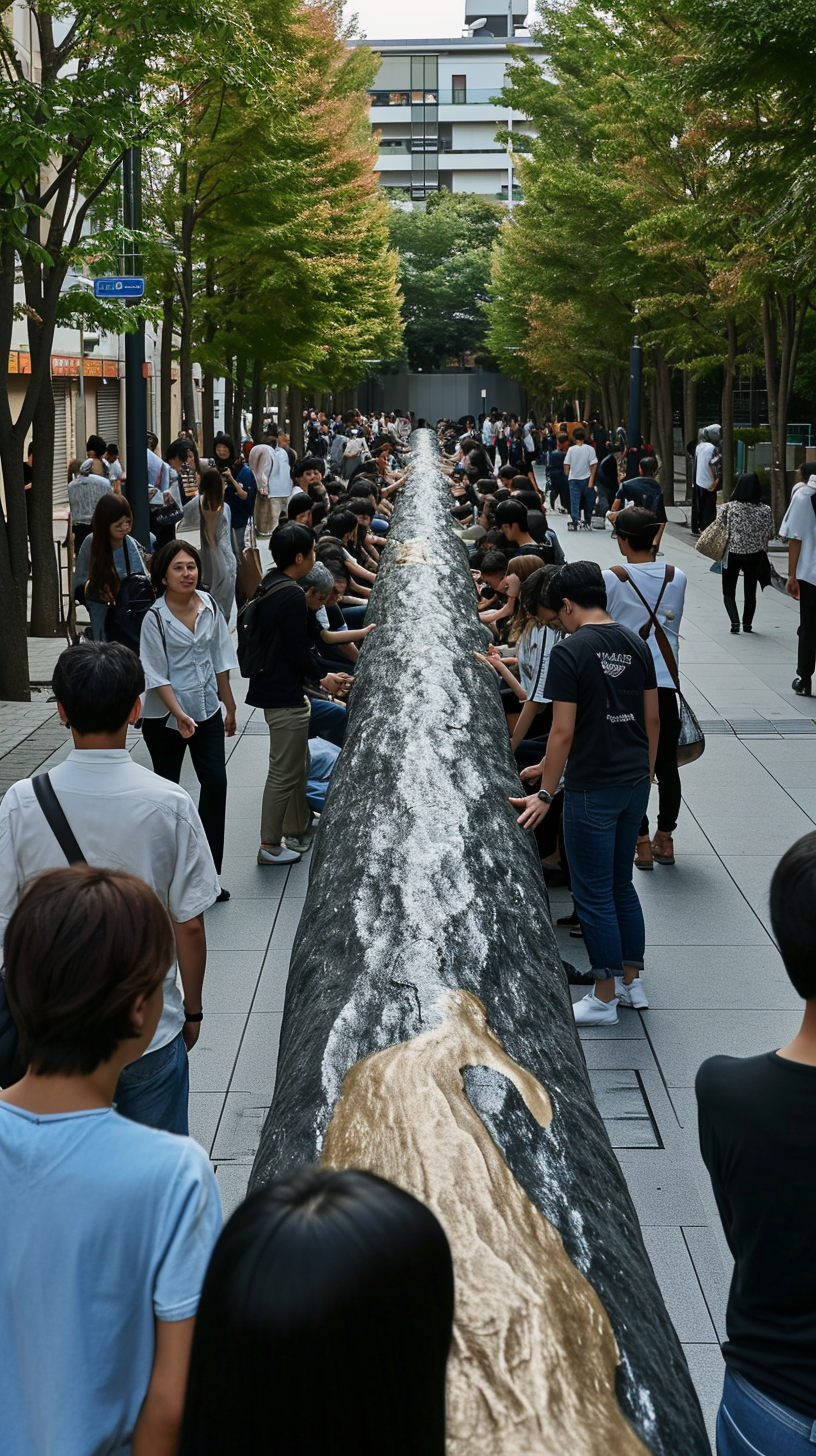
x: 188, y: 661
x: 625, y: 606
x: 580, y: 459
x: 799, y: 524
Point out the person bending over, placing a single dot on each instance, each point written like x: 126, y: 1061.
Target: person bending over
x: 758, y: 1141
x: 106, y: 1226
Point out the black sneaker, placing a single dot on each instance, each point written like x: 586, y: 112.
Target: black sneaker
x: 802, y: 687
x: 572, y: 919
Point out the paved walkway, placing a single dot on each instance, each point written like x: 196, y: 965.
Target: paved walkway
x: 714, y: 978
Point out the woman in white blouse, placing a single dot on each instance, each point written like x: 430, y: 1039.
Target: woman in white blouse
x: 187, y: 655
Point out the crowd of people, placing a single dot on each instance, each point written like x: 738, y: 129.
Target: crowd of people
x: 323, y: 1311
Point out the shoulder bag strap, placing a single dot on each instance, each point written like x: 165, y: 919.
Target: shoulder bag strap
x: 57, y: 822
x: 660, y: 636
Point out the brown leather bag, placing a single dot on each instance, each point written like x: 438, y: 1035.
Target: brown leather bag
x: 250, y: 573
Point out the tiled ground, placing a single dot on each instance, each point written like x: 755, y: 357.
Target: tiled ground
x: 714, y: 978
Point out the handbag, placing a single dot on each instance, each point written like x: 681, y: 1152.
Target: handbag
x: 12, y: 1066
x: 691, y: 740
x: 166, y: 515
x: 263, y: 515
x: 249, y: 574
x: 713, y: 541
x: 123, y: 622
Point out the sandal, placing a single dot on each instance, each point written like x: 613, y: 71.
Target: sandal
x: 643, y: 853
x: 663, y: 848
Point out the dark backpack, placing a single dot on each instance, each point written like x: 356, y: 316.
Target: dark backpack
x: 257, y: 653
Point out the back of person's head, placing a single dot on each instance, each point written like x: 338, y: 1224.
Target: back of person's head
x: 339, y: 523
x: 807, y: 470
x: 83, y: 945
x: 319, y: 579
x: 327, y: 1309
x: 637, y: 526
x: 177, y: 450
x: 160, y: 561
x: 528, y: 499
x: 289, y: 541
x: 493, y: 563
x: 95, y: 445
x: 361, y: 508
x: 511, y: 513
x: 486, y: 486
x: 97, y: 684
x: 648, y: 465
x: 578, y: 434
x: 748, y: 489
x: 563, y: 439
x: 211, y: 489
x: 524, y: 566
x: 363, y: 489
x: 534, y: 588
x: 521, y: 482
x: 793, y: 913
x: 580, y: 582
x: 298, y: 503
x: 329, y: 549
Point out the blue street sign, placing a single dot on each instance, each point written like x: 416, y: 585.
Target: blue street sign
x: 119, y: 287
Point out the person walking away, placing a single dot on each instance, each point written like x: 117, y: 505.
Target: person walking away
x: 239, y: 488
x: 580, y: 464
x: 126, y: 818
x: 187, y: 655
x: 750, y: 528
x: 87, y: 488
x: 279, y: 625
x: 209, y: 512
x: 758, y: 1141
x: 638, y: 596
x: 105, y: 558
x: 556, y: 476
x: 116, y: 470
x: 642, y: 491
x: 606, y: 482
x: 799, y: 530
x: 113, y: 1223
x: 606, y: 723
x: 707, y: 458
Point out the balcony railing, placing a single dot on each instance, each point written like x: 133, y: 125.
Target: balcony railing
x: 473, y: 96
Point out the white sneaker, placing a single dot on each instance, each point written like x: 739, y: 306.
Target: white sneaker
x: 631, y: 995
x: 590, y: 1011
x: 280, y: 856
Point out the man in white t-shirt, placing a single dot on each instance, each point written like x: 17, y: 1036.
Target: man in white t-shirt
x: 799, y: 530
x: 706, y: 477
x: 580, y: 464
x: 662, y: 592
x: 123, y: 817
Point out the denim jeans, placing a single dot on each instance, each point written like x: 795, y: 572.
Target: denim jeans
x: 328, y: 720
x: 600, y: 831
x: 155, y: 1089
x: 581, y: 498
x: 749, y: 1423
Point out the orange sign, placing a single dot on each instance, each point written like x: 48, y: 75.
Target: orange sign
x: 19, y: 363
x: 62, y: 364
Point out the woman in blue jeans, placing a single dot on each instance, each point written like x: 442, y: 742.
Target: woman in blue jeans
x: 601, y: 681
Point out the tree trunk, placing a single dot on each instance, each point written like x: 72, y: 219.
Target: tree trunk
x: 663, y: 423
x: 257, y: 401
x: 236, y: 423
x: 208, y: 412
x: 168, y: 432
x: 296, y: 418
x: 419, y: 1058
x: 45, y: 582
x: 782, y: 319
x: 727, y: 411
x: 229, y: 394
x: 689, y: 427
x: 14, y: 680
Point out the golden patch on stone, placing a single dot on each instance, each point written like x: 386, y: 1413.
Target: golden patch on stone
x: 533, y: 1360
x: 415, y: 552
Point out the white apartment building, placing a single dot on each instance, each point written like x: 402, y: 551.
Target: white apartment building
x: 433, y: 107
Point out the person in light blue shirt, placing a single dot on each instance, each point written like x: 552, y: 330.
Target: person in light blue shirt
x: 106, y: 1226
x: 105, y: 558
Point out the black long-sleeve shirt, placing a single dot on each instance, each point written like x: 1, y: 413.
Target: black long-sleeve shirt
x: 294, y: 662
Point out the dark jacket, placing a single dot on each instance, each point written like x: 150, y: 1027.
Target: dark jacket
x: 294, y: 664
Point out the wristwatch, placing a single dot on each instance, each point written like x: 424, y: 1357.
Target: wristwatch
x: 545, y: 797
x: 193, y: 1015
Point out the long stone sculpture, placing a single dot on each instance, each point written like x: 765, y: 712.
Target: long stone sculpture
x: 428, y: 1037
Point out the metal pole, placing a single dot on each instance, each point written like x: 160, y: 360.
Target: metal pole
x: 635, y: 384
x: 81, y: 427
x: 135, y: 384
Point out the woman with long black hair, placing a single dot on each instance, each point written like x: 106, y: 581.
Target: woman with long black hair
x: 750, y: 528
x: 105, y: 559
x: 324, y: 1325
x: 210, y: 512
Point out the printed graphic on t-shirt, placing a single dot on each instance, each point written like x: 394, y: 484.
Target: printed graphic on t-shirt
x: 615, y: 663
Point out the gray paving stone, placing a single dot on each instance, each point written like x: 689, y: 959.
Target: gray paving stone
x: 232, y: 979
x: 676, y: 1275
x: 707, y: 1371
x: 713, y: 1267
x: 256, y: 1066
x: 683, y: 1039
x: 664, y: 1191
x: 718, y: 977
x: 625, y: 1055
x: 213, y: 1057
x: 242, y: 924
x: 205, y: 1110
x: 232, y: 1179
x: 239, y: 1130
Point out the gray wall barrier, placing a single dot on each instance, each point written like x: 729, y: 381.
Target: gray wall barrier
x: 428, y: 1037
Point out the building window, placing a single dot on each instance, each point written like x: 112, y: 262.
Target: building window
x: 459, y: 88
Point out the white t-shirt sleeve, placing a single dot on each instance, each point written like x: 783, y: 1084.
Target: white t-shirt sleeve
x: 11, y: 882
x: 194, y: 886
x: 190, y: 1225
x: 800, y: 519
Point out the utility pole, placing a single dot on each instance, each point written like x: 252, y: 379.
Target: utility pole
x: 635, y: 386
x: 135, y: 386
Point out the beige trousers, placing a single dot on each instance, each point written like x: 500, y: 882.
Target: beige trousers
x: 284, y: 810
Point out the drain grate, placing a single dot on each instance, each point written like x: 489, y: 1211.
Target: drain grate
x: 716, y: 728
x: 623, y: 1105
x: 256, y: 728
x: 758, y: 727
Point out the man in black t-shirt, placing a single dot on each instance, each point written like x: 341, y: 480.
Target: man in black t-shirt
x: 601, y: 681
x: 642, y: 491
x: 757, y: 1119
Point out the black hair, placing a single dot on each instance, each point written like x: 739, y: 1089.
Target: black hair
x: 95, y: 445
x: 748, y: 490
x: 306, y: 462
x: 176, y: 451
x: 97, y: 684
x: 298, y: 502
x: 288, y: 541
x: 362, y: 491
x: 807, y: 469
x: 637, y: 526
x: 327, y: 1307
x: 161, y: 559
x: 648, y: 465
x: 339, y: 523
x: 521, y: 482
x: 486, y: 486
x: 493, y: 562
x: 533, y: 590
x: 511, y: 513
x: 111, y: 448
x: 793, y: 913
x: 580, y: 581
x: 222, y: 439
x: 361, y: 507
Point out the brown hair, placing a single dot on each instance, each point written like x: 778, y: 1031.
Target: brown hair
x: 81, y: 946
x: 522, y: 567
x: 103, y: 578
